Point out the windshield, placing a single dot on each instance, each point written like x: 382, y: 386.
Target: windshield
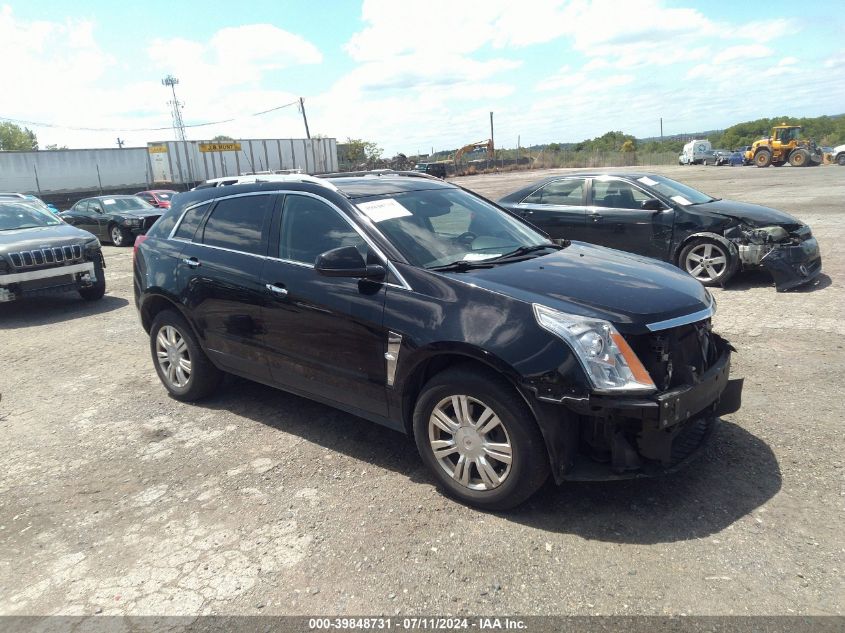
x: 24, y: 215
x: 436, y: 227
x: 129, y: 203
x: 675, y: 191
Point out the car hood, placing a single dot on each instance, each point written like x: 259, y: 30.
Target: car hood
x: 138, y: 213
x: 752, y: 214
x: 42, y: 236
x: 628, y: 290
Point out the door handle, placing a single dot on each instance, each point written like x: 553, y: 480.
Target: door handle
x: 191, y: 262
x: 596, y: 217
x: 277, y: 290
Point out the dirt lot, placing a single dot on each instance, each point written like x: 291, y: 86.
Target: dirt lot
x: 116, y: 499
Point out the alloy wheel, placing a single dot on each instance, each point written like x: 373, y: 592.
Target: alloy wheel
x: 470, y: 442
x: 706, y: 262
x: 173, y: 356
x: 116, y: 236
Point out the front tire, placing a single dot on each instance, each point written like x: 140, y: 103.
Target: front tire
x: 120, y: 236
x: 479, y: 439
x: 181, y: 365
x: 708, y: 261
x: 799, y: 158
x: 840, y: 160
x: 98, y: 289
x: 763, y: 158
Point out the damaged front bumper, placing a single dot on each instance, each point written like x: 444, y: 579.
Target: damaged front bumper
x: 793, y: 265
x: 47, y: 280
x: 640, y: 437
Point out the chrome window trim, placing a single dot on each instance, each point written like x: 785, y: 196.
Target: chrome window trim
x: 544, y: 185
x: 391, y: 268
x: 708, y: 312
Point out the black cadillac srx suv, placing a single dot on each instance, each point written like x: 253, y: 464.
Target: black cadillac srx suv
x: 421, y: 306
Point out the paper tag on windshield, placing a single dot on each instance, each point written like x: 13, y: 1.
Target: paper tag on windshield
x: 647, y: 181
x: 381, y: 210
x: 477, y: 257
x: 109, y: 201
x: 680, y: 200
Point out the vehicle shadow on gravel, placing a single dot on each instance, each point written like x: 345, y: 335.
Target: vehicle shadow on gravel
x: 35, y: 311
x: 736, y: 474
x: 761, y: 279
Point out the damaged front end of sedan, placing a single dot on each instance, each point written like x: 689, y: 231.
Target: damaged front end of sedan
x: 789, y: 253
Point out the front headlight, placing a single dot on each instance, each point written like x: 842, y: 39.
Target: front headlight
x: 132, y: 221
x: 610, y: 363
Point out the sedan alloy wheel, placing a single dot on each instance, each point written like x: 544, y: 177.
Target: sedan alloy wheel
x: 706, y: 262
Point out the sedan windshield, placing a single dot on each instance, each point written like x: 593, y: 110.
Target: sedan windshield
x: 24, y: 215
x: 129, y: 203
x: 675, y: 191
x: 437, y: 227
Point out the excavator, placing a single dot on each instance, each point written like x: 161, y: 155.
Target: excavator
x: 488, y: 145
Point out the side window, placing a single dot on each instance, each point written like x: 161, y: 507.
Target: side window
x: 311, y: 227
x: 94, y: 206
x: 239, y: 224
x: 81, y: 206
x: 190, y: 222
x: 566, y: 192
x: 616, y: 194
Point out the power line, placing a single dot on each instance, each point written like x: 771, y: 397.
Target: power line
x: 139, y: 129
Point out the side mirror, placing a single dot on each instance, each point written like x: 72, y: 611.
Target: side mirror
x: 652, y: 204
x: 346, y: 261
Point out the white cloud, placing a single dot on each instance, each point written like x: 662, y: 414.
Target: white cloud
x: 747, y: 51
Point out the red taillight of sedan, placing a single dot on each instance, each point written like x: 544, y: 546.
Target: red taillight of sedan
x: 138, y: 241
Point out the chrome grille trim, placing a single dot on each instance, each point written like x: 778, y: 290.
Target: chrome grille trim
x: 42, y: 256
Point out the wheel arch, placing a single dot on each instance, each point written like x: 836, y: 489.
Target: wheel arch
x: 154, y: 303
x: 721, y: 239
x: 556, y: 426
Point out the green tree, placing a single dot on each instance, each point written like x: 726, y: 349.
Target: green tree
x: 222, y: 138
x: 53, y: 146
x: 358, y: 151
x: 13, y: 137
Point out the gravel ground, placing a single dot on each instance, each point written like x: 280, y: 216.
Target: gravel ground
x: 115, y: 499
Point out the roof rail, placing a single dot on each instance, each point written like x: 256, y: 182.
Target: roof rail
x: 378, y: 172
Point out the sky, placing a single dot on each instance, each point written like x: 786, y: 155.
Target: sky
x: 415, y: 76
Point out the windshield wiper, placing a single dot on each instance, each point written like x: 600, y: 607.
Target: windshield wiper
x: 462, y: 265
x: 526, y: 250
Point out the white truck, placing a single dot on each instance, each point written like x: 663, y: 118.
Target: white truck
x: 696, y: 152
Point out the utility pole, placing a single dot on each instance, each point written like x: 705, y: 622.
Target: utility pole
x: 178, y: 123
x: 120, y: 143
x: 176, y: 108
x: 304, y: 118
x: 661, y: 129
x: 492, y: 144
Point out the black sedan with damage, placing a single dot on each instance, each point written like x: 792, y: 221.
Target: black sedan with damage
x: 115, y: 219
x: 649, y: 214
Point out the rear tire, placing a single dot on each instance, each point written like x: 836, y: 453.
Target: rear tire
x: 98, y: 289
x: 490, y: 452
x: 840, y: 160
x: 763, y: 158
x: 181, y: 365
x: 709, y: 261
